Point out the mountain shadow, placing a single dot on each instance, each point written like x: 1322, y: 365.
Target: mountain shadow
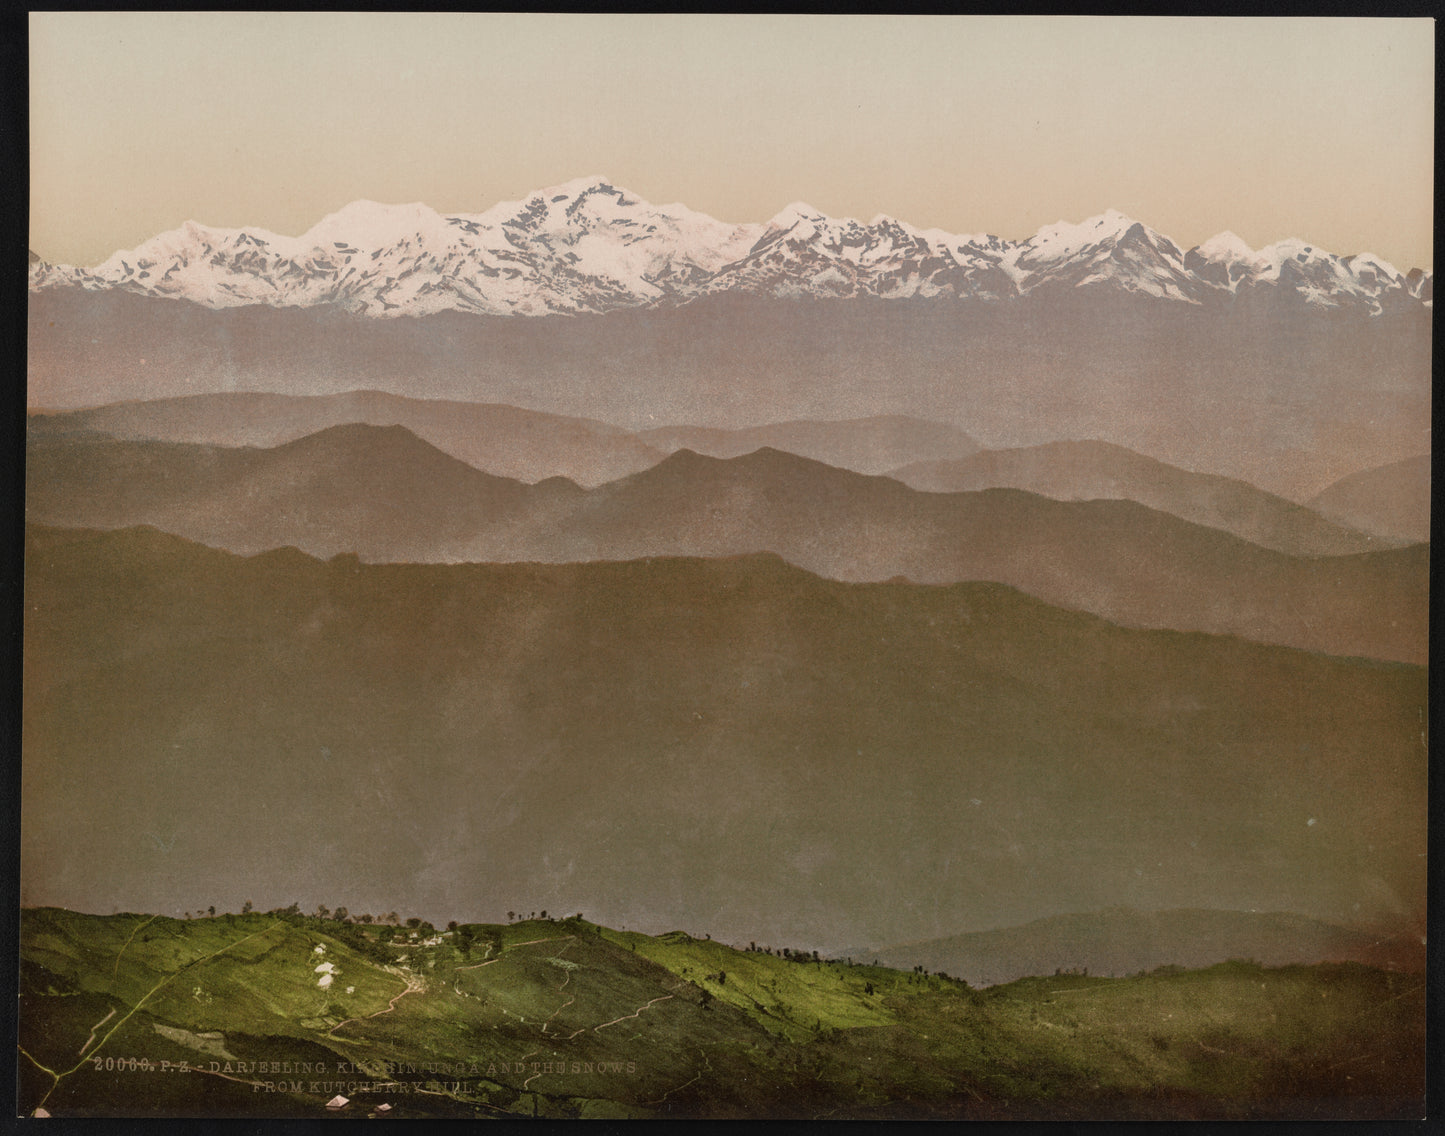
x: 733, y: 744
x: 386, y: 496
x: 1082, y: 471
x: 1392, y: 500
x: 864, y: 445
x: 502, y: 440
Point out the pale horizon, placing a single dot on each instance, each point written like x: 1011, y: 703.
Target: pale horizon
x: 143, y: 121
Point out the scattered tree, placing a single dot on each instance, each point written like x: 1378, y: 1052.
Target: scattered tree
x: 247, y: 908
x: 212, y: 910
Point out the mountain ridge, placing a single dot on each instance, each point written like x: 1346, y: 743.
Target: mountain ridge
x: 1392, y: 500
x: 1121, y: 940
x: 1088, y: 469
x: 497, y: 438
x: 331, y: 493
x: 590, y: 246
x: 1286, y: 397
x: 551, y: 726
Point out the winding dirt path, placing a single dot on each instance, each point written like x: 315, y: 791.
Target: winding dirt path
x: 414, y: 985
x: 678, y: 1088
x: 634, y: 1014
x: 93, y: 1028
x: 115, y: 970
x: 58, y: 1077
x: 557, y: 1011
x: 508, y: 950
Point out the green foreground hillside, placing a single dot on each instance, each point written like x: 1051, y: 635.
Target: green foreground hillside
x: 277, y: 1014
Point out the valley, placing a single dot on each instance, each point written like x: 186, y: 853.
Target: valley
x: 1007, y: 659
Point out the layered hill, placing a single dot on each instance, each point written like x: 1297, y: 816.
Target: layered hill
x: 374, y: 490
x: 1088, y: 470
x: 503, y: 440
x: 1391, y: 500
x: 1122, y: 941
x: 864, y: 445
x: 1287, y: 400
x: 730, y: 744
x: 384, y: 495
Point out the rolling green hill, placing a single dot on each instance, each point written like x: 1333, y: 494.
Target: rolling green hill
x: 276, y: 1014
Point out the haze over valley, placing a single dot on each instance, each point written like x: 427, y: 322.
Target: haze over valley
x: 872, y: 568
x: 907, y: 596
x: 1084, y: 325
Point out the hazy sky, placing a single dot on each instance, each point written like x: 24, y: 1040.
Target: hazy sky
x: 1316, y: 128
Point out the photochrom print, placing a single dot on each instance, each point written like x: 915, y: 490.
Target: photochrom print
x: 634, y: 566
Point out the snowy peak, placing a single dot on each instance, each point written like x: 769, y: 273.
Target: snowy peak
x: 607, y: 240
x: 1307, y: 273
x: 1224, y: 260
x: 1226, y: 248
x: 577, y: 187
x: 1062, y: 239
x: 588, y: 245
x: 803, y: 252
x: 1111, y: 250
x: 795, y: 214
x: 370, y: 225
x: 556, y: 206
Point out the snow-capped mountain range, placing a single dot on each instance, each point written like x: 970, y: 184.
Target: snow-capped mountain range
x: 590, y: 246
